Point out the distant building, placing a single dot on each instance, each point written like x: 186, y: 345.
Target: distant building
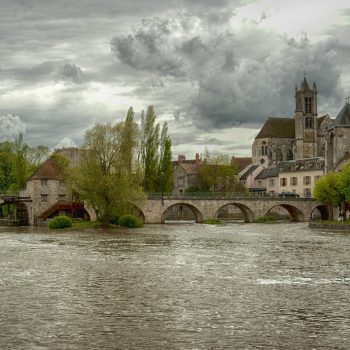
x: 296, y: 151
x: 185, y: 173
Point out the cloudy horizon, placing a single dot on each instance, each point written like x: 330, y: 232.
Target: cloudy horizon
x: 213, y: 71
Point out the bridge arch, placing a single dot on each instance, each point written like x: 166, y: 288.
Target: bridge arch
x: 246, y: 211
x: 323, y: 211
x: 295, y: 213
x: 198, y: 216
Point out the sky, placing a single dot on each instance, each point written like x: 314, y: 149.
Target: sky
x: 214, y: 70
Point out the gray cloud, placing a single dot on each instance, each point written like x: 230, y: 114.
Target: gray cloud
x: 240, y: 78
x: 183, y: 56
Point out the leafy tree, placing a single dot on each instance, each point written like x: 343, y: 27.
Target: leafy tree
x: 217, y: 174
x: 18, y: 162
x: 149, y: 148
x: 106, y: 178
x: 165, y: 167
x: 6, y: 166
x: 328, y: 189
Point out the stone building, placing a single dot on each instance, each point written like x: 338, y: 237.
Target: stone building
x: 185, y: 173
x: 300, y: 137
x: 304, y: 136
x: 48, y: 192
x: 337, y: 139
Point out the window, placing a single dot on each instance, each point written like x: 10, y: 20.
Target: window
x: 264, y: 150
x: 307, y: 180
x: 260, y: 183
x: 293, y: 181
x: 307, y: 192
x: 272, y: 183
x: 283, y: 181
x: 308, y: 103
x: 62, y: 197
x: 180, y: 181
x: 44, y: 197
x: 309, y: 123
x: 316, y: 178
x: 43, y: 182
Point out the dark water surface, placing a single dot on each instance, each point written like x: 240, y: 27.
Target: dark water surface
x: 175, y: 287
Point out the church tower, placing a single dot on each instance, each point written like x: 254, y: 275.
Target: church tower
x: 306, y: 121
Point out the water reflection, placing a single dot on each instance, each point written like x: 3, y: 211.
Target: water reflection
x: 175, y: 287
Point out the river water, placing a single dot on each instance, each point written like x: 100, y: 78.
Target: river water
x: 192, y: 286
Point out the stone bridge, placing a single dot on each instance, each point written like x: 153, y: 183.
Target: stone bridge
x: 154, y: 210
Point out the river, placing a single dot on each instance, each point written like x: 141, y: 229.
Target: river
x: 189, y: 286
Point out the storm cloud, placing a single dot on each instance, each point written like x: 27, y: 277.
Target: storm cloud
x: 209, y: 68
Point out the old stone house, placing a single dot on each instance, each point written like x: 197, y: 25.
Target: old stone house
x: 185, y: 173
x: 48, y: 192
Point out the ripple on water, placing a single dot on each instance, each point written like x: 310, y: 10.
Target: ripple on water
x: 175, y: 287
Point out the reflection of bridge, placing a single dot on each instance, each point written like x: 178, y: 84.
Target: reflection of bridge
x: 154, y: 210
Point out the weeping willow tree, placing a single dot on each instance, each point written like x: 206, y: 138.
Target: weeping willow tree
x: 108, y: 177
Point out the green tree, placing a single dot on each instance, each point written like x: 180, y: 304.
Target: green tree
x: 328, y: 189
x: 20, y: 168
x: 105, y: 178
x: 217, y: 174
x: 6, y: 166
x: 165, y: 167
x: 149, y: 148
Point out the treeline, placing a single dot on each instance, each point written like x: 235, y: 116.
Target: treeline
x: 18, y: 162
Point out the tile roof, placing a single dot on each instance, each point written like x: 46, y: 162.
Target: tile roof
x: 241, y: 162
x: 278, y: 128
x: 190, y: 168
x: 248, y: 172
x: 48, y: 170
x: 343, y: 118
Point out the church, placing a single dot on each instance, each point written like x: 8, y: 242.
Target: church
x: 305, y: 136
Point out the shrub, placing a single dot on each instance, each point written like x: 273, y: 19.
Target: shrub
x: 212, y: 221
x: 266, y: 219
x: 130, y: 221
x: 60, y: 222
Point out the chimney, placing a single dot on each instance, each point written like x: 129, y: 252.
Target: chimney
x: 180, y: 158
x: 197, y: 158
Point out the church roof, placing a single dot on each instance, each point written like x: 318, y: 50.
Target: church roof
x: 343, y: 118
x: 277, y: 128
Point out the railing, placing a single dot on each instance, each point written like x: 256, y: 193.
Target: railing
x: 254, y: 195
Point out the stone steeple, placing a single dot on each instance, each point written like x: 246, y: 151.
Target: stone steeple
x: 306, y: 120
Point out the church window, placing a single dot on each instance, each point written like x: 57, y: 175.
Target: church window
x: 264, y: 150
x: 308, y: 101
x: 309, y: 123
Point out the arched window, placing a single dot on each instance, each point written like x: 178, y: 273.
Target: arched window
x: 308, y: 102
x: 309, y: 123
